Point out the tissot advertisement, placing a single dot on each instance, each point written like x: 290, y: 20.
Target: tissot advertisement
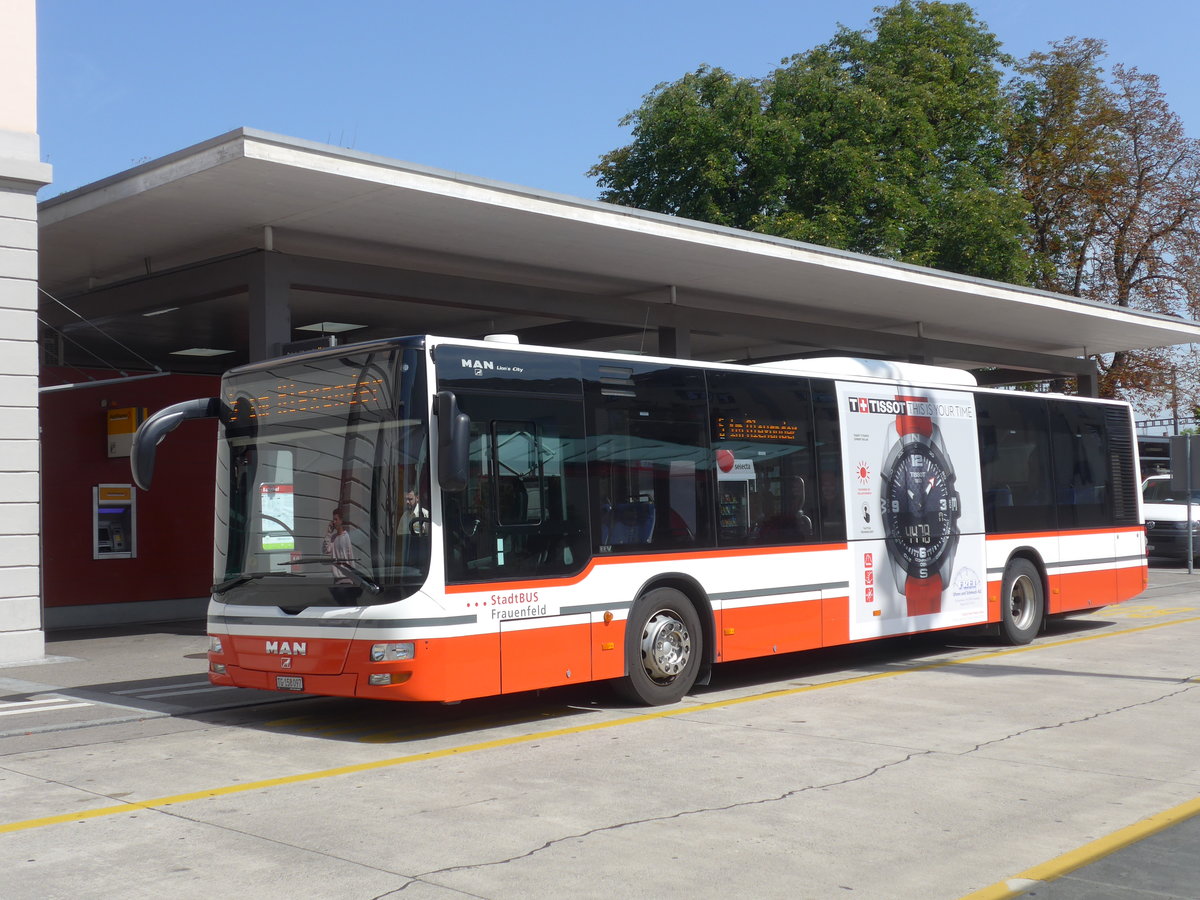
x: 915, y: 522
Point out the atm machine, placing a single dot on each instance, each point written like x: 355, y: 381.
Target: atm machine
x: 114, y: 521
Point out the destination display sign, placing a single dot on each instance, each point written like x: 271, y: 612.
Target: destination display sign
x: 751, y: 428
x: 295, y: 399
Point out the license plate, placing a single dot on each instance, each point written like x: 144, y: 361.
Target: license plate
x: 289, y: 683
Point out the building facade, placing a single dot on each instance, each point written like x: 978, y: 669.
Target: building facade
x: 21, y: 175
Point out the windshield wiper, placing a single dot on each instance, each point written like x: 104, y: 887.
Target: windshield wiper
x: 222, y: 586
x: 361, y: 578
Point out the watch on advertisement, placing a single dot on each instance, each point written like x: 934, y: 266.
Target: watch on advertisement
x: 920, y: 510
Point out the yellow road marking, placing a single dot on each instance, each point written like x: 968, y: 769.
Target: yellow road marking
x: 1087, y: 854
x: 1147, y: 612
x: 300, y: 778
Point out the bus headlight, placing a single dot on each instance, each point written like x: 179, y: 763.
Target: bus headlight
x: 214, y: 644
x: 392, y: 652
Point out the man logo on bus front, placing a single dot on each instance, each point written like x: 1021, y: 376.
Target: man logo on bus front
x: 479, y: 365
x: 286, y: 648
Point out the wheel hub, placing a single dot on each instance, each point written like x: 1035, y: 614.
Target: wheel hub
x: 666, y: 646
x: 1020, y: 603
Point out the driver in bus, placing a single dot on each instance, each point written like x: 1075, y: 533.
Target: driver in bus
x: 415, y: 519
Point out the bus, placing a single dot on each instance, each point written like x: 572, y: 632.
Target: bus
x: 437, y: 519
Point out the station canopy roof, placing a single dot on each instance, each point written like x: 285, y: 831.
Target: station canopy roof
x: 166, y: 257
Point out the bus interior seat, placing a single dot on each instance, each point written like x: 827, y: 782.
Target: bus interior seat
x: 628, y: 523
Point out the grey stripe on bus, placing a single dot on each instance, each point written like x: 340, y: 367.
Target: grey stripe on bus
x: 771, y: 592
x: 1081, y: 562
x: 1089, y: 562
x: 594, y: 607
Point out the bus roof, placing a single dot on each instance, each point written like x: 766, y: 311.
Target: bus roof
x: 853, y: 367
x: 848, y: 368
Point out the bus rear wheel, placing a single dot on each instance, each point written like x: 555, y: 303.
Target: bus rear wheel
x: 663, y: 647
x: 1022, y: 602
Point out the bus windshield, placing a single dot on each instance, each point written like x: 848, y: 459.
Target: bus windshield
x: 323, y: 481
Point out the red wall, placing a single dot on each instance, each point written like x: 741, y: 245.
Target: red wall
x: 174, y: 519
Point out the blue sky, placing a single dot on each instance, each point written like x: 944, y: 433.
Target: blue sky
x: 523, y: 92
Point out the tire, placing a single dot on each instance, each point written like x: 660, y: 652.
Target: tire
x: 664, y: 645
x: 1022, y: 602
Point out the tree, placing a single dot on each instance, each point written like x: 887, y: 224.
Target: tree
x: 696, y: 142
x: 1150, y: 220
x: 1113, y: 186
x: 900, y: 150
x: 888, y: 142
x: 1061, y: 147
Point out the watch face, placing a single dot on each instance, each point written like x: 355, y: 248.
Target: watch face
x: 920, y: 507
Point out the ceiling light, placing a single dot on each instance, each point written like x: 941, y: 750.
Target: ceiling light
x: 200, y: 351
x: 329, y: 327
x: 159, y: 312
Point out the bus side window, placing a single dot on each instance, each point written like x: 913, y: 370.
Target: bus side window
x: 1014, y: 456
x: 763, y: 444
x: 827, y: 445
x: 1094, y: 476
x: 648, y: 457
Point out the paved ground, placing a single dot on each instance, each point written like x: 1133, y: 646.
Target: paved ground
x: 1165, y: 865
x: 924, y: 768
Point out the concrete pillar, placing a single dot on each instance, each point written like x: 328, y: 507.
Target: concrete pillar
x: 1088, y: 384
x: 675, y: 342
x: 270, y: 308
x: 21, y: 175
x: 674, y: 326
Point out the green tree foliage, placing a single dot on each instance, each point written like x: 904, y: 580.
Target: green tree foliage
x: 889, y: 142
x: 696, y: 148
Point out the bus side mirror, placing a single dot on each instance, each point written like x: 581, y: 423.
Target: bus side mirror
x: 151, y: 432
x: 454, y: 441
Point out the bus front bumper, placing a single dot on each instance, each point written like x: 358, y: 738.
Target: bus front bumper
x: 434, y: 670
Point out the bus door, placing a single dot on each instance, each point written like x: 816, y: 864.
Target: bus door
x: 520, y: 521
x: 520, y: 526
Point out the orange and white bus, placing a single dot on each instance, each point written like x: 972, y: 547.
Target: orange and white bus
x: 427, y: 518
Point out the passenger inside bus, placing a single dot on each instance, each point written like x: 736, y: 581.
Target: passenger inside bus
x: 792, y: 522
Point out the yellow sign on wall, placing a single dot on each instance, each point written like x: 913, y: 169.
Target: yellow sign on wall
x: 122, y: 423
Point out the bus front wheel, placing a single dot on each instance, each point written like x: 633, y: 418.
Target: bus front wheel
x: 663, y: 646
x: 1022, y: 602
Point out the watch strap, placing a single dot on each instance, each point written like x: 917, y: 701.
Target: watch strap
x: 906, y: 424
x: 924, y: 595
